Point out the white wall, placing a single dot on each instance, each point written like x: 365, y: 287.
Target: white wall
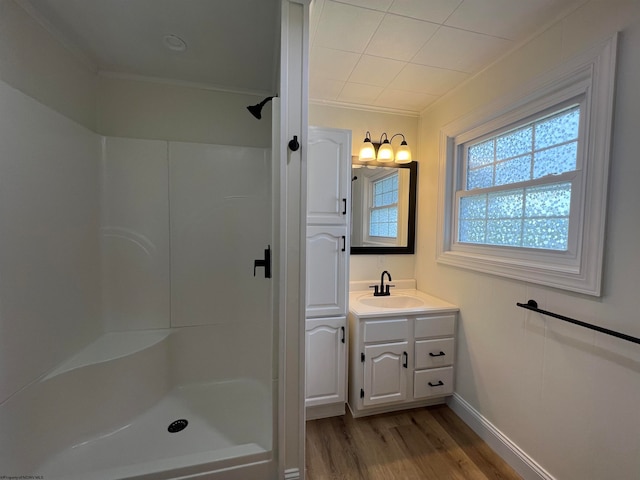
x: 49, y: 250
x: 369, y: 267
x: 34, y: 62
x: 565, y: 395
x: 180, y: 112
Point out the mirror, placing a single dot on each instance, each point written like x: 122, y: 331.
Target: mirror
x: 383, y: 202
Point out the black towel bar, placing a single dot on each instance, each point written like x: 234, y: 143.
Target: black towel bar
x: 533, y: 305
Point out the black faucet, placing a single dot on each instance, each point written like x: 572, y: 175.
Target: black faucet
x: 382, y: 290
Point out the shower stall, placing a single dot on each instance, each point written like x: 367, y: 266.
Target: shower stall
x: 181, y: 379
x: 141, y: 334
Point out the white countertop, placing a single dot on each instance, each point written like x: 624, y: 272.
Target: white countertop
x: 431, y: 304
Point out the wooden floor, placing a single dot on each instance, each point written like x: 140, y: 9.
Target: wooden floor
x: 429, y: 443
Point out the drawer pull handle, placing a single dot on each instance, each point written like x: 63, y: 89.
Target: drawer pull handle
x: 405, y: 364
x: 439, y: 384
x: 431, y: 354
x: 344, y: 210
x: 342, y: 339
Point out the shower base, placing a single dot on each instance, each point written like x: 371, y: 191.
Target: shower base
x: 222, y: 419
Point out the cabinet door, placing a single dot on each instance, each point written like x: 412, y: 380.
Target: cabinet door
x: 326, y: 277
x: 325, y: 361
x: 385, y: 373
x: 328, y: 176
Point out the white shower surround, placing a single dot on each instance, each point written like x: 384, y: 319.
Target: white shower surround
x: 76, y: 401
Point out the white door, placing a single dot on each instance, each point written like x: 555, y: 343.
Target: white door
x: 328, y: 176
x: 327, y: 253
x: 385, y: 373
x: 325, y: 361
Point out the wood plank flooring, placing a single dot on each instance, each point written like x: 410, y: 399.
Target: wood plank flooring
x: 429, y: 443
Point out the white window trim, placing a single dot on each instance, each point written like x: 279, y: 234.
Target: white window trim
x: 591, y: 76
x: 373, y: 240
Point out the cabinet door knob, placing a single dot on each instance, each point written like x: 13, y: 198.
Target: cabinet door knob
x: 431, y: 354
x: 405, y: 364
x: 344, y: 210
x: 439, y: 384
x: 343, y: 337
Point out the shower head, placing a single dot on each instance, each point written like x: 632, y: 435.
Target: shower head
x: 256, y: 110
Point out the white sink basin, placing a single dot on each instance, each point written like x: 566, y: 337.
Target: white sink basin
x: 398, y: 301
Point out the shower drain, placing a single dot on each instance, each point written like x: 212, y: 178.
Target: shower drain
x: 177, y: 426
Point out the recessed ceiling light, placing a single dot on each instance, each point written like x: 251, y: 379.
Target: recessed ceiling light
x: 174, y: 42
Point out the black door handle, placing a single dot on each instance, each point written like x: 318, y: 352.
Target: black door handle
x: 344, y: 211
x: 343, y: 337
x: 439, y: 384
x: 266, y: 263
x: 431, y: 354
x: 405, y: 364
x: 344, y: 243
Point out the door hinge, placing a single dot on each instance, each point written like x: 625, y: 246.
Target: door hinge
x: 361, y: 393
x: 362, y: 357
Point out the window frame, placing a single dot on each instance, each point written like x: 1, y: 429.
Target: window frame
x: 587, y: 81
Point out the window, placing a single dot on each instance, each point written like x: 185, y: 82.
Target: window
x: 518, y: 184
x: 383, y: 211
x: 524, y: 188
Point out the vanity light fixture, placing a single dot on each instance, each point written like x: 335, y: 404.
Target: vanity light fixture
x: 383, y: 151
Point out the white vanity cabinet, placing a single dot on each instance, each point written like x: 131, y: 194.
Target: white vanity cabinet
x: 400, y: 359
x: 327, y: 275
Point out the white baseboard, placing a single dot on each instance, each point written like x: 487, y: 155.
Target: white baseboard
x: 498, y: 441
x: 292, y: 474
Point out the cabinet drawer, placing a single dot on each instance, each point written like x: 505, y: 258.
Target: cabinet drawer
x: 386, y: 330
x: 434, y: 353
x: 435, y: 382
x: 435, y: 326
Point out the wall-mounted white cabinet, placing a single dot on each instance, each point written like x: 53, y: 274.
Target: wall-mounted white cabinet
x: 327, y: 276
x: 327, y: 256
x: 329, y: 176
x: 400, y: 361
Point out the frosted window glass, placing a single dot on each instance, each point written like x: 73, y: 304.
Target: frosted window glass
x: 548, y: 201
x: 512, y: 171
x: 481, y: 154
x: 480, y: 178
x: 555, y: 160
x: 514, y: 143
x: 505, y: 205
x: 472, y: 231
x: 557, y: 129
x: 547, y: 233
x: 473, y: 207
x: 504, y: 232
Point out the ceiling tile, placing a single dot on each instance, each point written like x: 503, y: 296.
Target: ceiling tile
x: 381, y: 5
x: 404, y: 100
x: 431, y: 10
x: 502, y: 18
x: 345, y: 27
x: 400, y: 37
x: 315, y: 10
x: 334, y: 64
x: 324, y: 88
x: 359, y: 93
x: 423, y: 79
x: 376, y: 71
x: 461, y: 50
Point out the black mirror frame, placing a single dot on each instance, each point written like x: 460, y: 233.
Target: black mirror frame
x: 411, y: 230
